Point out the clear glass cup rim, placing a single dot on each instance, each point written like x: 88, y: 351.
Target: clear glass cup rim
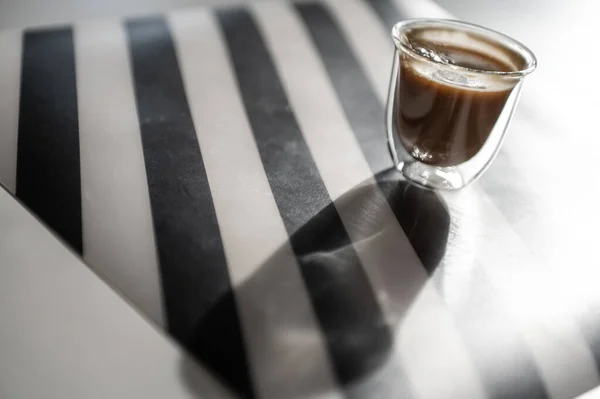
x: 506, y: 41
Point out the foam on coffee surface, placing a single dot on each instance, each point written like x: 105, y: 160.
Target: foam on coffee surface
x: 466, y: 64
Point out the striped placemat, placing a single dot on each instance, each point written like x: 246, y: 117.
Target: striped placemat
x: 227, y: 171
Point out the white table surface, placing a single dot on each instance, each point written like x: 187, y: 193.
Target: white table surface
x: 66, y: 334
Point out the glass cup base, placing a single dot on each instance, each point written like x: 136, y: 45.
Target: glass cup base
x: 433, y: 177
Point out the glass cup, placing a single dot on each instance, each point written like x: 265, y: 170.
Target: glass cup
x: 452, y: 94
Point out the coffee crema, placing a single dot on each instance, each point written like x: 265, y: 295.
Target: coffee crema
x: 441, y: 120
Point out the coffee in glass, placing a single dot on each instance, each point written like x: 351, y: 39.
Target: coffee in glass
x: 453, y: 90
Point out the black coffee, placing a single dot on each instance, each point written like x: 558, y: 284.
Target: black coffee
x: 443, y: 124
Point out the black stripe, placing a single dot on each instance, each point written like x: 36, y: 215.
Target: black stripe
x: 344, y: 303
x: 200, y: 305
x: 418, y: 207
x: 48, y: 176
x: 386, y: 11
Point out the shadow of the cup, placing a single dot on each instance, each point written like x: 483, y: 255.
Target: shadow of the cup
x: 358, y: 336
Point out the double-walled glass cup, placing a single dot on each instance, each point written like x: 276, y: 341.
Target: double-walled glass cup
x: 447, y: 112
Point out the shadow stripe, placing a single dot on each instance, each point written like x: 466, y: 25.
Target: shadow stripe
x: 192, y: 261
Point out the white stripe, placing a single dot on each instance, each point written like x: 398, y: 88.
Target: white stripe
x: 565, y: 368
x: 426, y: 339
x: 66, y: 334
x: 10, y: 82
x: 118, y: 238
x: 285, y: 346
